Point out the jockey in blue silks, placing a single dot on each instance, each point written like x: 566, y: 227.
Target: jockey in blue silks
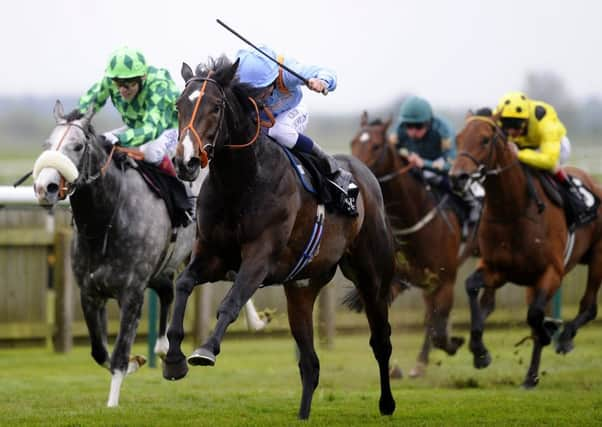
x: 280, y: 91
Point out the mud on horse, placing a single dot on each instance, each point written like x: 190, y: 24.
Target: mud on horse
x: 254, y: 217
x: 522, y: 243
x: 418, y: 221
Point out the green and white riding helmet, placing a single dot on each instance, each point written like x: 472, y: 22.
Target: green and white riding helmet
x: 126, y: 63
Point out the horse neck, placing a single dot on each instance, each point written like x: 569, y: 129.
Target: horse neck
x: 506, y: 192
x: 93, y: 203
x: 235, y: 170
x: 403, y: 194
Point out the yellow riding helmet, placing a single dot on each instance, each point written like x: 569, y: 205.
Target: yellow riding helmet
x: 513, y: 105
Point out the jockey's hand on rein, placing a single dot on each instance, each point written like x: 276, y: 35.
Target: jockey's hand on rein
x: 110, y: 137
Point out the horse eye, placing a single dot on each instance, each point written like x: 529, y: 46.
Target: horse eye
x: 375, y: 147
x: 78, y: 146
x: 216, y: 109
x: 485, y: 140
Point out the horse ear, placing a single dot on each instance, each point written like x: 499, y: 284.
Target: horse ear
x: 229, y: 76
x: 58, y: 111
x: 186, y: 72
x: 388, y: 122
x: 364, y: 119
x: 88, y: 116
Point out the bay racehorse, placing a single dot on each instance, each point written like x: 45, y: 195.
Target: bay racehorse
x: 254, y: 217
x: 122, y: 240
x: 418, y: 220
x: 523, y: 240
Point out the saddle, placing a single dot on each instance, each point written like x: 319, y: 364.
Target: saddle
x: 580, y: 204
x: 179, y: 204
x: 308, y: 169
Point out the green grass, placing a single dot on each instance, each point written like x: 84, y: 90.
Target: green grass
x: 255, y: 382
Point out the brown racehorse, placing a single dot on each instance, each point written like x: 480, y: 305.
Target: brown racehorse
x: 522, y: 241
x: 428, y: 236
x: 255, y: 218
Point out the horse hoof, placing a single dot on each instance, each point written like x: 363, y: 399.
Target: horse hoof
x: 395, y: 372
x: 457, y: 342
x: 530, y: 383
x: 386, y: 405
x: 201, y: 357
x: 176, y: 370
x: 481, y: 361
x: 564, y: 347
x: 418, y: 371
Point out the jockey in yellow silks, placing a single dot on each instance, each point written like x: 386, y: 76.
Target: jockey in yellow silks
x: 542, y: 143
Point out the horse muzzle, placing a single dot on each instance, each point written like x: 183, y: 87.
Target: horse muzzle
x: 188, y: 170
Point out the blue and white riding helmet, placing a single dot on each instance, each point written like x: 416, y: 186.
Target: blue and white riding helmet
x: 255, y: 69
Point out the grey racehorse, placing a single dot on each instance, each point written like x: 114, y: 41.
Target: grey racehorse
x: 122, y: 240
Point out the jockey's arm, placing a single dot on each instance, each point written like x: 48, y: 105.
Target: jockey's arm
x: 97, y: 96
x: 156, y: 120
x: 545, y: 158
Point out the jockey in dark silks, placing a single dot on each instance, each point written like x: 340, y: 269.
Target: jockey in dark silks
x: 430, y: 145
x: 541, y: 142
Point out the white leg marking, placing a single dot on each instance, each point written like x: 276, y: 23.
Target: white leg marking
x: 254, y: 322
x: 162, y: 346
x: 116, y: 380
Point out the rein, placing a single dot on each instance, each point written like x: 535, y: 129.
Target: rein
x: 197, y: 138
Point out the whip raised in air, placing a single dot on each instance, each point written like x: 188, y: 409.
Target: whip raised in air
x: 300, y: 77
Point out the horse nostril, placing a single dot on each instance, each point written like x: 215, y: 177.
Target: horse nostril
x: 52, y: 188
x: 194, y: 163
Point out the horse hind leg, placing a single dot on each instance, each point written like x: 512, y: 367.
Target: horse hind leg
x: 377, y: 312
x: 300, y: 303
x: 588, y: 310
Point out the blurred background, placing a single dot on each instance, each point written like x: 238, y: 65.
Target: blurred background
x: 459, y: 55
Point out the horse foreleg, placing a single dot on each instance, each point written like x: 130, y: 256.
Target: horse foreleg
x: 532, y: 377
x: 174, y: 366
x: 251, y: 274
x: 95, y: 316
x: 121, y: 364
x: 588, y: 309
x: 481, y: 356
x: 442, y: 305
x: 300, y: 303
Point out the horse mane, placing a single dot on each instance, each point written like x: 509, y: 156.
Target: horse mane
x: 376, y: 122
x: 76, y: 114
x: 484, y: 112
x: 220, y: 70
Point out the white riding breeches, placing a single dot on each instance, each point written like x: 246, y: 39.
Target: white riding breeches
x: 565, y: 151
x: 155, y: 150
x: 289, y: 124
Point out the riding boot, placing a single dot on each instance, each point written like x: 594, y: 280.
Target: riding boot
x: 581, y: 204
x: 338, y: 176
x: 188, y: 205
x: 341, y: 179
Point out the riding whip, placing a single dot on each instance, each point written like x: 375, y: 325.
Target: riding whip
x: 22, y: 179
x: 300, y: 77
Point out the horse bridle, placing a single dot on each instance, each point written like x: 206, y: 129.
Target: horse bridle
x: 483, y: 171
x: 381, y: 157
x: 223, y: 104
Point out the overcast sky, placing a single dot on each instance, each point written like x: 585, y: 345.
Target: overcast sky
x: 460, y: 53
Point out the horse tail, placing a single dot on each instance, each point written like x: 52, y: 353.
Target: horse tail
x: 353, y: 301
